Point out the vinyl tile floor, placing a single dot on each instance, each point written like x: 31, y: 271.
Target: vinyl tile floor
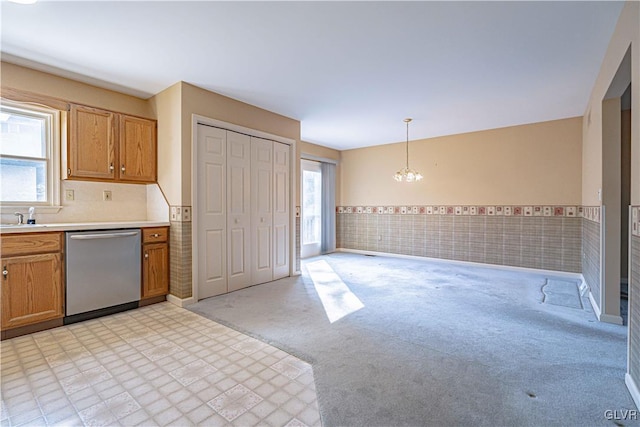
x: 156, y: 365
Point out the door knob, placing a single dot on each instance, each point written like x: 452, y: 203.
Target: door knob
x: 5, y: 272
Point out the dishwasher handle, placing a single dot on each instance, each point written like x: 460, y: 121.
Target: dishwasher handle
x: 102, y: 236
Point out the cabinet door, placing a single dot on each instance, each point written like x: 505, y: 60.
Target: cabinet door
x: 91, y: 152
x: 137, y: 149
x: 155, y: 270
x: 31, y: 289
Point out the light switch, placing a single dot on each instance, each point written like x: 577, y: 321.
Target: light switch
x: 68, y: 195
x: 106, y: 196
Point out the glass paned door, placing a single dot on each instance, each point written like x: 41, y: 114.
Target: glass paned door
x: 311, y: 209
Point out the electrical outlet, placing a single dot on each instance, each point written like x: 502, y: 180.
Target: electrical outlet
x: 68, y: 195
x: 186, y: 213
x: 106, y: 196
x: 297, y: 211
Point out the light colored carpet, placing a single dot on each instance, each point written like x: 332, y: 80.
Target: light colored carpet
x: 437, y: 344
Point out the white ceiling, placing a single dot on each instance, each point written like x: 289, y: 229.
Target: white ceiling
x: 349, y: 71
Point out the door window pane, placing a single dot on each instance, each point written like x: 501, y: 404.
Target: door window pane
x: 312, y: 206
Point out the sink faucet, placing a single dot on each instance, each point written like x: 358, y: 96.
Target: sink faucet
x: 20, y: 218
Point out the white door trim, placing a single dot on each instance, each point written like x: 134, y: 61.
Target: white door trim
x: 198, y: 119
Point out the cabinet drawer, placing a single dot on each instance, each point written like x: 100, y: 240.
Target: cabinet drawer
x: 31, y: 243
x: 155, y: 235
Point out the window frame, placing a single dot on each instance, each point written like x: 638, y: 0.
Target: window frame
x: 55, y: 133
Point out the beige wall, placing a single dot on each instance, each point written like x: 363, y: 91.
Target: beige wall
x: 536, y: 164
x: 26, y: 79
x: 212, y: 105
x: 627, y: 33
x: 167, y: 106
x: 323, y: 152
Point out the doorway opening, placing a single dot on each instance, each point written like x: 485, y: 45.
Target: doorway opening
x: 616, y: 193
x: 311, y: 223
x: 625, y: 200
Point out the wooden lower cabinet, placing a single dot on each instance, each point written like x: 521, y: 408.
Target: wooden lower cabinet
x: 32, y: 285
x: 155, y: 262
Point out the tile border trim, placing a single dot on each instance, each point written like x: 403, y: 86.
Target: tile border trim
x: 592, y: 213
x: 475, y: 210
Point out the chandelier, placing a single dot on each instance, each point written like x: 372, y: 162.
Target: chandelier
x: 407, y: 174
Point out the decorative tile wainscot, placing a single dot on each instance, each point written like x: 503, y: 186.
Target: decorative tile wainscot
x: 591, y: 248
x: 180, y: 252
x: 545, y: 237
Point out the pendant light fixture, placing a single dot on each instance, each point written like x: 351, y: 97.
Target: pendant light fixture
x: 406, y: 174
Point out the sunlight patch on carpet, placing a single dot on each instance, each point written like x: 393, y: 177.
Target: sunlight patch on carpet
x: 336, y: 297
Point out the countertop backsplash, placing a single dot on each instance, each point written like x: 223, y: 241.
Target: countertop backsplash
x: 129, y: 202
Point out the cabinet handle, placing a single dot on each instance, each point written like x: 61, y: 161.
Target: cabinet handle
x: 5, y: 273
x: 122, y: 169
x: 111, y: 168
x: 155, y: 235
x: 146, y: 255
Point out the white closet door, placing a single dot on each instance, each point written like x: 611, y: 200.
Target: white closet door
x: 281, y: 202
x: 238, y: 210
x: 261, y: 210
x: 212, y: 209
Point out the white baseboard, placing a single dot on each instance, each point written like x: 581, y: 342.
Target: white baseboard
x: 609, y: 318
x: 603, y: 317
x: 577, y: 276
x: 594, y: 305
x: 180, y: 302
x: 634, y: 390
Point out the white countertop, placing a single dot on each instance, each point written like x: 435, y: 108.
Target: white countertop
x: 75, y: 226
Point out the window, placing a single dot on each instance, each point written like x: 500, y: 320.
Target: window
x: 29, y: 146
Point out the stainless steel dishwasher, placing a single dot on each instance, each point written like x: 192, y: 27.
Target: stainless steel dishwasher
x: 102, y: 269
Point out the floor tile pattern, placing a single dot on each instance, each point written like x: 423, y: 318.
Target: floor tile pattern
x: 157, y: 365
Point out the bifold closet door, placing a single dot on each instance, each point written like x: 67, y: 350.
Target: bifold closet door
x: 261, y: 210
x: 238, y: 211
x: 212, y: 211
x: 281, y: 210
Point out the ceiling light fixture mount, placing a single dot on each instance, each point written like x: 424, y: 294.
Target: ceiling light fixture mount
x: 407, y: 174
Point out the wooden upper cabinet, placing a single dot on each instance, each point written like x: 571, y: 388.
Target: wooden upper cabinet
x: 137, y: 149
x: 108, y: 146
x: 92, y: 143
